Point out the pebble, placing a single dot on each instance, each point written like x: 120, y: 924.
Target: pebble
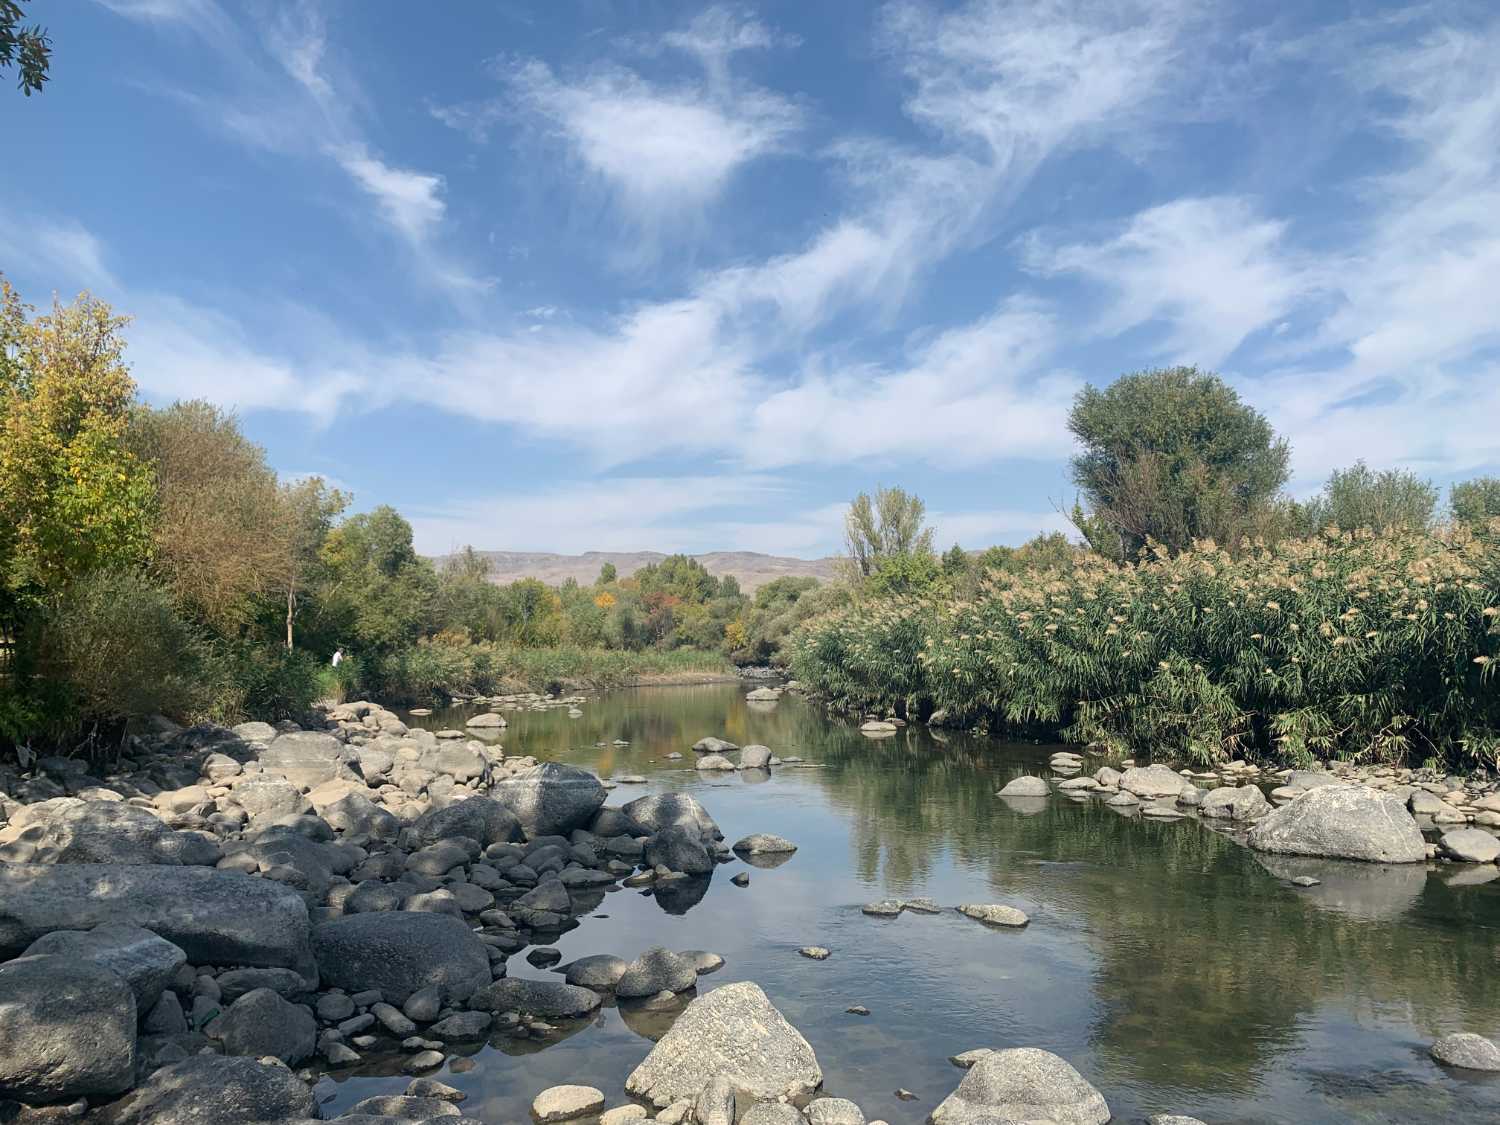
x: 815, y: 952
x: 857, y: 1010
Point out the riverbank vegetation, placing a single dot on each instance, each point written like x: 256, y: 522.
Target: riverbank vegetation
x: 152, y: 562
x: 1357, y: 625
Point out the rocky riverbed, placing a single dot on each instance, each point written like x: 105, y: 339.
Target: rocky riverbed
x: 209, y: 929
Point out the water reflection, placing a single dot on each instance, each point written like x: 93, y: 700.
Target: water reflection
x: 1177, y: 970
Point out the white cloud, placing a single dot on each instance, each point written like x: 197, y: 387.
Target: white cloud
x: 663, y: 150
x: 412, y: 202
x: 1212, y: 269
x: 975, y: 530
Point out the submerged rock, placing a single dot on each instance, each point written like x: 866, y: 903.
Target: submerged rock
x: 1467, y: 1050
x: 733, y: 1032
x: 1022, y: 1084
x: 994, y: 914
x: 1342, y: 822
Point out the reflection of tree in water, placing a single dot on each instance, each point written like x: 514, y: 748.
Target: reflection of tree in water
x: 1208, y: 963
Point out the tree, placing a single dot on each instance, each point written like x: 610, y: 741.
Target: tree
x: 681, y: 576
x: 308, y: 508
x: 222, y: 527
x: 1475, y: 501
x: 955, y: 561
x: 1170, y: 456
x: 533, y: 614
x: 73, y: 496
x: 377, y: 592
x: 607, y: 574
x: 889, y: 525
x: 28, y: 49
x: 1357, y: 497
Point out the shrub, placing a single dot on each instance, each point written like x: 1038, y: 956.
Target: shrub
x: 117, y: 648
x: 1350, y: 645
x: 263, y: 682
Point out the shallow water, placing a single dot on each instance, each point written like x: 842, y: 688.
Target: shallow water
x: 1176, y: 970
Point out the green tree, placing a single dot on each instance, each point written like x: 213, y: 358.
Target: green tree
x: 956, y: 562
x: 886, y: 526
x: 1475, y: 501
x: 1357, y: 497
x: 377, y: 592
x: 73, y: 496
x: 607, y: 574
x: 1171, y: 456
x: 28, y: 49
x: 533, y: 614
x: 679, y: 576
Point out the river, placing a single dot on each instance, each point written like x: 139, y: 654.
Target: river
x: 1175, y: 969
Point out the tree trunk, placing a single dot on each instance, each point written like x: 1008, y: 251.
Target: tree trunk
x: 291, y: 604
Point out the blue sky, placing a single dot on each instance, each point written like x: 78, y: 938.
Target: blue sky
x: 571, y: 275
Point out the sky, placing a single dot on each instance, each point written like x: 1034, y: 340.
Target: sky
x: 574, y: 275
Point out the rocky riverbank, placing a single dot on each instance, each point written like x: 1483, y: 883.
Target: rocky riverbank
x: 195, y: 933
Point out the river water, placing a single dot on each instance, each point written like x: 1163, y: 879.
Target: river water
x: 1175, y: 969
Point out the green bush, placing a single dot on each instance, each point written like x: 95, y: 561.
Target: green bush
x: 116, y: 647
x: 266, y: 683
x: 1344, y: 645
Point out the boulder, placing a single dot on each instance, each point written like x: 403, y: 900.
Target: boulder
x: 309, y: 758
x: 563, y: 1103
x: 714, y: 762
x: 214, y: 917
x: 489, y: 720
x: 600, y: 971
x: 146, y: 962
x: 1469, y: 845
x: 764, y: 843
x: 1152, y: 781
x: 357, y: 815
x: 546, y: 998
x: 267, y: 798
x: 1022, y: 1084
x: 551, y: 799
x: 732, y: 1032
x: 1468, y: 1051
x: 651, y: 814
x: 114, y: 832
x: 1026, y: 787
x: 657, y: 970
x: 1342, y: 822
x: 260, y: 1023
x: 713, y: 745
x: 399, y: 953
x: 1241, y: 802
x: 67, y: 1030
x: 679, y: 848
x: 755, y: 757
x: 834, y: 1111
x: 478, y: 818
x: 215, y: 1090
x: 400, y: 1107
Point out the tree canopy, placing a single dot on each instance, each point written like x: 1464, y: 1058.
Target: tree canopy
x: 28, y: 49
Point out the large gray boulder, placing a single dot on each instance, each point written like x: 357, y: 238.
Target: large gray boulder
x: 1342, y: 822
x: 269, y: 798
x: 666, y: 810
x: 399, y: 953
x: 215, y: 917
x: 478, y: 818
x: 546, y: 998
x: 114, y: 832
x: 657, y: 970
x: 215, y: 1090
x: 733, y: 1032
x: 1235, y: 802
x: 1025, y: 786
x: 1469, y: 845
x: 67, y: 1030
x: 551, y: 799
x: 309, y: 758
x: 1152, y: 781
x: 597, y: 971
x: 260, y: 1024
x: 1022, y: 1084
x: 355, y: 814
x: 145, y: 961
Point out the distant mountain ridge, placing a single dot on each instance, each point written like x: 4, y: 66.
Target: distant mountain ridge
x: 751, y: 568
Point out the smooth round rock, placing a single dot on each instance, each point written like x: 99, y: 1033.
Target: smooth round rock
x: 563, y: 1103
